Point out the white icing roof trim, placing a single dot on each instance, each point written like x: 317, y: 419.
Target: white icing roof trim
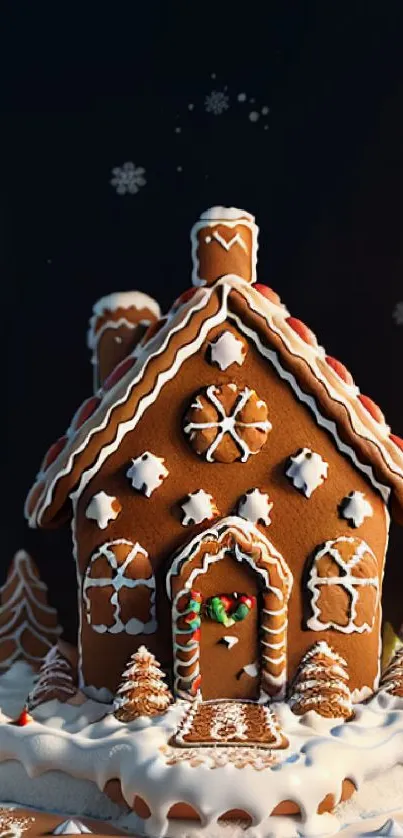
x: 225, y: 214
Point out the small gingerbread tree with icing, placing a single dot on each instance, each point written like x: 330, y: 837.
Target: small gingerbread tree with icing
x: 57, y: 680
x: 321, y: 684
x: 142, y: 691
x: 392, y: 677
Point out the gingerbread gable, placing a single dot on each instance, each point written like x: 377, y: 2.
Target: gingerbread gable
x: 320, y: 382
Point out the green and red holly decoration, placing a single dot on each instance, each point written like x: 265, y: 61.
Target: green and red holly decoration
x: 229, y: 609
x: 192, y: 617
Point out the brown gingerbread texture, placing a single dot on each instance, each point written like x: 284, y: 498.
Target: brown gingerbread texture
x: 28, y: 624
x: 392, y: 678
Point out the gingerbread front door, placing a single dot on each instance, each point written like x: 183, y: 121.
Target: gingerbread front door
x: 229, y: 589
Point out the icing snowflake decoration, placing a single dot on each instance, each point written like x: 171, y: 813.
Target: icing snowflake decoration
x: 147, y: 472
x: 128, y: 179
x: 255, y: 506
x: 355, y: 508
x: 103, y: 508
x: 198, y: 507
x: 130, y: 568
x: 216, y: 102
x: 398, y: 313
x: 227, y: 350
x: 307, y: 471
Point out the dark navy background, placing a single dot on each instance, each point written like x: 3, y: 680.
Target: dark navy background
x: 325, y: 180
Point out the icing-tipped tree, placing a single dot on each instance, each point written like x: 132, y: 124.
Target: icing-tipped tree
x: 392, y: 677
x: 57, y: 679
x: 28, y: 625
x: 143, y: 691
x: 321, y: 684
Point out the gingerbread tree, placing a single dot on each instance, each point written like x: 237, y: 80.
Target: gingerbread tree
x: 28, y: 624
x: 57, y: 679
x: 142, y: 691
x: 321, y: 684
x: 392, y: 677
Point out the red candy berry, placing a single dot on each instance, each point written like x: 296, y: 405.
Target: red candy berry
x: 340, y: 369
x: 53, y: 452
x: 372, y: 408
x: 85, y: 411
x: 118, y: 373
x: 302, y: 330
x: 196, y: 596
x: 249, y: 601
x: 196, y: 636
x: 268, y: 292
x: 397, y: 440
x: 226, y: 601
x: 24, y: 718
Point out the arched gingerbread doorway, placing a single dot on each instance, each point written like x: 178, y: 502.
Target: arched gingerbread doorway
x: 231, y: 557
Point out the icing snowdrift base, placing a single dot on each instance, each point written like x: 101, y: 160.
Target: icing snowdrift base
x: 90, y: 748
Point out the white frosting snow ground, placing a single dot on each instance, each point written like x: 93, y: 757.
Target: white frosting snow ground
x: 90, y: 750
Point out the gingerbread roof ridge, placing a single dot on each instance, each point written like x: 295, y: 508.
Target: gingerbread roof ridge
x: 325, y: 379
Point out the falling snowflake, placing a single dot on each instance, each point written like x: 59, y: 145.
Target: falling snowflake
x: 128, y: 179
x: 398, y: 313
x: 216, y: 102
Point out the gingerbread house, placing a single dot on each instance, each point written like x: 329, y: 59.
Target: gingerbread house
x: 229, y: 489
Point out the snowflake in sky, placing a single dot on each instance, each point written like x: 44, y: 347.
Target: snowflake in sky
x: 128, y: 179
x: 398, y: 313
x: 216, y: 102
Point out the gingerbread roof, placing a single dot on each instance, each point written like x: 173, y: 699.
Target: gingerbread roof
x: 322, y: 383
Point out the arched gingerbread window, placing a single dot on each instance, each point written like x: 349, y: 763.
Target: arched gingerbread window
x: 343, y: 582
x: 119, y: 589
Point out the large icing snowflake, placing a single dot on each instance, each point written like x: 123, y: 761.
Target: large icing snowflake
x: 225, y: 423
x: 113, y: 567
x: 147, y: 472
x: 307, y: 471
x: 398, y: 313
x: 227, y: 350
x: 216, y: 102
x: 255, y: 506
x: 355, y: 508
x: 128, y: 179
x: 198, y: 507
x: 103, y: 508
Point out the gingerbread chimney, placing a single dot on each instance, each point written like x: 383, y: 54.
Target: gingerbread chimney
x: 224, y: 241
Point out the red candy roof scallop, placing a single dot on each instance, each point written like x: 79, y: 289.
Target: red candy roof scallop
x: 118, y: 373
x: 53, y: 452
x: 302, y: 330
x: 153, y: 329
x: 268, y: 292
x: 397, y: 440
x: 340, y: 370
x: 372, y: 409
x: 86, y: 409
x: 184, y: 298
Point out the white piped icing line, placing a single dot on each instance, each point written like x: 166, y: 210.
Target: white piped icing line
x: 275, y: 318
x: 116, y: 582
x: 346, y: 581
x: 227, y: 350
x: 102, y: 509
x: 225, y: 214
x: 255, y: 506
x: 147, y: 472
x: 307, y: 471
x: 355, y: 508
x: 198, y: 507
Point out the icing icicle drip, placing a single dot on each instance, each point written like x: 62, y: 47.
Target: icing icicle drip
x: 307, y: 471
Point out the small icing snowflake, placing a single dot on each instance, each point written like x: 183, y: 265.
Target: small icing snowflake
x: 255, y: 506
x: 307, y: 471
x: 355, y: 508
x: 216, y: 102
x: 128, y: 179
x: 198, y: 507
x: 103, y: 508
x: 147, y: 472
x: 227, y: 350
x: 398, y: 313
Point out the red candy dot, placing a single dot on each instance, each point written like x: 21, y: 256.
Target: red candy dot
x: 85, y: 411
x: 340, y: 369
x: 184, y: 298
x: 302, y: 330
x: 118, y: 373
x: 268, y: 292
x: 397, y: 440
x: 53, y: 452
x: 23, y: 719
x: 372, y: 408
